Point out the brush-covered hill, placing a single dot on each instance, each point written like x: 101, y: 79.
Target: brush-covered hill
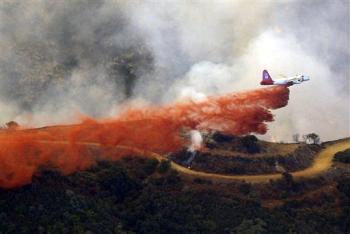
x: 141, y: 195
x: 226, y: 154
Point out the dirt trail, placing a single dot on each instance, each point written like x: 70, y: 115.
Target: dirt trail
x: 322, y: 162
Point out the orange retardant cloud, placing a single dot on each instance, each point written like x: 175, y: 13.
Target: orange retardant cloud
x: 157, y: 129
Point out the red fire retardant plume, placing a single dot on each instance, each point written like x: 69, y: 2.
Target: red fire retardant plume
x: 153, y: 129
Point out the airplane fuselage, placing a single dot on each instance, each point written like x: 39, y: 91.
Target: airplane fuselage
x: 291, y: 80
x: 298, y: 79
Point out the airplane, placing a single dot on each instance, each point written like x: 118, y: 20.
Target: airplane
x: 288, y: 81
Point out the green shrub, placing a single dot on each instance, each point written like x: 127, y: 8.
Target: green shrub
x: 344, y: 186
x: 342, y: 156
x: 250, y: 144
x: 150, y: 166
x: 164, y: 166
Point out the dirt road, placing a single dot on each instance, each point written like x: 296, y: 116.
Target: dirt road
x: 322, y: 162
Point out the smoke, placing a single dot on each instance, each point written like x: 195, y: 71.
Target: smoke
x: 153, y: 129
x: 60, y: 60
x: 196, y: 140
x: 196, y: 144
x: 218, y: 47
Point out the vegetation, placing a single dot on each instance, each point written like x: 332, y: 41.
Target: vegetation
x: 343, y: 156
x: 248, y: 155
x: 312, y: 138
x: 296, y: 137
x: 250, y: 143
x: 164, y: 166
x: 12, y: 125
x: 246, y: 144
x: 132, y: 196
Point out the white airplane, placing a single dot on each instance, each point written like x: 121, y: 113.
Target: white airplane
x: 288, y: 81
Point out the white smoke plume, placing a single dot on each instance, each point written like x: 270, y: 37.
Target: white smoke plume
x: 196, y: 140
x: 60, y: 59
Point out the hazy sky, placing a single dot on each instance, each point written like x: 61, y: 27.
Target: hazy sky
x: 64, y: 58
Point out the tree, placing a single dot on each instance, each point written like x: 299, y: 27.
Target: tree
x: 288, y: 179
x: 245, y: 188
x: 12, y: 125
x: 287, y: 183
x: 342, y: 156
x: 150, y: 166
x: 311, y: 138
x: 314, y: 138
x: 304, y: 138
x: 250, y: 143
x: 344, y: 186
x: 164, y: 166
x: 296, y: 137
x: 256, y: 226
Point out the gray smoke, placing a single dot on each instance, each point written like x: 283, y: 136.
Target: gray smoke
x: 60, y: 59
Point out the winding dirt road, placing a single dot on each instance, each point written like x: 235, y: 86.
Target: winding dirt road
x: 322, y: 162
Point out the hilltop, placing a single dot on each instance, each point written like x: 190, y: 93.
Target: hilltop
x: 236, y: 155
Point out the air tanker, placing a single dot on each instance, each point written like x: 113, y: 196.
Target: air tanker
x: 288, y: 81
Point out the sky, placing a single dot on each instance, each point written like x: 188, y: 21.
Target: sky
x: 61, y: 60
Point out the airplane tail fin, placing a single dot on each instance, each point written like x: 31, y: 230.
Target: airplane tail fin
x: 266, y: 78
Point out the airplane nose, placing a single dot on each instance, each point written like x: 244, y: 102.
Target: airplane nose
x: 306, y: 78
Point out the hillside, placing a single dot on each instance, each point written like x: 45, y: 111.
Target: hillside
x: 235, y: 155
x: 131, y: 196
x: 143, y: 195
